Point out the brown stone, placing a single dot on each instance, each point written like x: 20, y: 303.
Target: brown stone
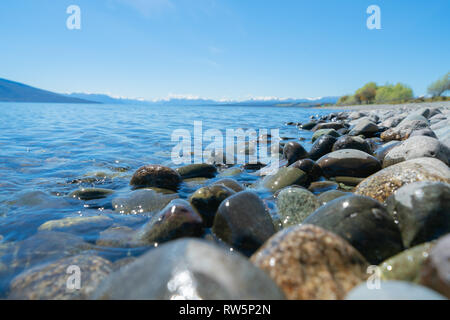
x: 156, y: 176
x: 385, y: 182
x: 308, y: 262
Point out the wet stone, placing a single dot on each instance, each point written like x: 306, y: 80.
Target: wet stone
x: 349, y: 142
x: 49, y: 281
x: 118, y: 237
x: 200, y: 170
x: 77, y: 224
x: 422, y: 211
x: 91, y: 193
x: 191, y: 270
x: 144, y: 201
x: 207, y: 200
x: 330, y: 132
x: 229, y: 183
x: 156, y: 176
x: 40, y: 248
x: 330, y: 195
x: 436, y: 271
x: 194, y: 182
x: 350, y: 163
x: 406, y: 265
x: 294, y: 151
x: 253, y: 166
x: 309, y: 125
x: 329, y: 125
x: 294, y: 205
x: 285, y: 177
x: 178, y: 219
x: 307, y: 262
x: 230, y: 172
x: 321, y: 147
x: 348, y: 181
x: 381, y: 152
x: 322, y: 186
x: 243, y: 222
x: 364, y: 223
x: 385, y: 182
x: 313, y: 171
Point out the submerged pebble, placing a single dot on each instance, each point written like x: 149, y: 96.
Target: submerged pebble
x: 156, y: 176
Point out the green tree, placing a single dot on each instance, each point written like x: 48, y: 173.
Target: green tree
x: 367, y: 93
x: 390, y: 93
x: 440, y: 86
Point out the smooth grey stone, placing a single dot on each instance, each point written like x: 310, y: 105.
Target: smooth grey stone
x: 417, y: 147
x: 362, y: 221
x: 421, y: 210
x: 364, y: 127
x: 197, y: 170
x: 189, y: 269
x: 244, y: 222
x: 144, y: 201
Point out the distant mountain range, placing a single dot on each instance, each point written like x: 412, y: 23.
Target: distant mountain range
x: 11, y: 91
x: 106, y: 99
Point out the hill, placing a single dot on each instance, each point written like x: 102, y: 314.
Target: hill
x: 11, y: 91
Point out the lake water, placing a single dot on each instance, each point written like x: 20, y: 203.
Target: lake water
x: 50, y: 150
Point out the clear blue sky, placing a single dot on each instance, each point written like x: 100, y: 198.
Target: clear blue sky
x: 223, y: 49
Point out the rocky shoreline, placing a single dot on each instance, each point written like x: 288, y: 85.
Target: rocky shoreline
x: 369, y: 202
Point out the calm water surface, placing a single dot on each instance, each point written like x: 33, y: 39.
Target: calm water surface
x: 50, y: 150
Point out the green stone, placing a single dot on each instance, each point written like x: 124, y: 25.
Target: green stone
x: 285, y: 177
x: 295, y: 204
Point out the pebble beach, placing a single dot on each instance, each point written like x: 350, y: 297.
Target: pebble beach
x: 361, y: 210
